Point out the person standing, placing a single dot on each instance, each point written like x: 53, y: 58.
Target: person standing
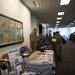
x: 73, y: 37
x: 58, y: 45
x: 33, y: 39
x: 41, y: 39
x: 54, y: 43
x: 50, y: 37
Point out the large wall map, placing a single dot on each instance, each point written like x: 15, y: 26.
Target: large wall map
x: 11, y: 31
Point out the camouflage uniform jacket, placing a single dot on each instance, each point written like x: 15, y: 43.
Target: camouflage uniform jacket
x: 58, y: 39
x: 33, y: 40
x: 58, y: 43
x: 41, y: 40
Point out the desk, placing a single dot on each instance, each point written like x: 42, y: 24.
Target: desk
x: 43, y: 65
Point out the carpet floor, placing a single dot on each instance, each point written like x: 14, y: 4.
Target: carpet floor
x: 67, y: 64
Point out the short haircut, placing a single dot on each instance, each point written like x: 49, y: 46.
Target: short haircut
x: 35, y: 29
x: 54, y: 33
x: 57, y: 32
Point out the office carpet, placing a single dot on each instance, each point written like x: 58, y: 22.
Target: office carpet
x: 67, y: 64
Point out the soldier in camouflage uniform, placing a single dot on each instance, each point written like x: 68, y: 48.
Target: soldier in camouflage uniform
x: 41, y: 39
x: 73, y: 37
x: 50, y: 37
x: 58, y: 45
x: 33, y: 39
x: 54, y: 34
x: 54, y: 43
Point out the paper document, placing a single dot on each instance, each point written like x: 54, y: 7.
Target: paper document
x: 54, y: 40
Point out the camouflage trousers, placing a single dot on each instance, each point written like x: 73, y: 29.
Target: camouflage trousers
x: 33, y: 48
x: 58, y: 51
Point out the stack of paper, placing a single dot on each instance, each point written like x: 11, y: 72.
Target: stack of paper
x: 49, y: 51
x: 44, y: 59
x: 34, y: 57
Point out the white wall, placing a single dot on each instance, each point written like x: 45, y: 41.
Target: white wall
x: 35, y: 23
x: 15, y: 9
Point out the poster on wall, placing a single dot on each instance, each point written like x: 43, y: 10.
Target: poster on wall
x: 11, y: 31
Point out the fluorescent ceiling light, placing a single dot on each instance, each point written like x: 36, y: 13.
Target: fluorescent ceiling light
x: 57, y: 21
x: 57, y: 24
x: 64, y: 2
x: 71, y: 23
x: 35, y: 3
x: 61, y: 13
x: 59, y: 18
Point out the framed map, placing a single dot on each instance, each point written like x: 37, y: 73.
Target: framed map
x: 11, y: 31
